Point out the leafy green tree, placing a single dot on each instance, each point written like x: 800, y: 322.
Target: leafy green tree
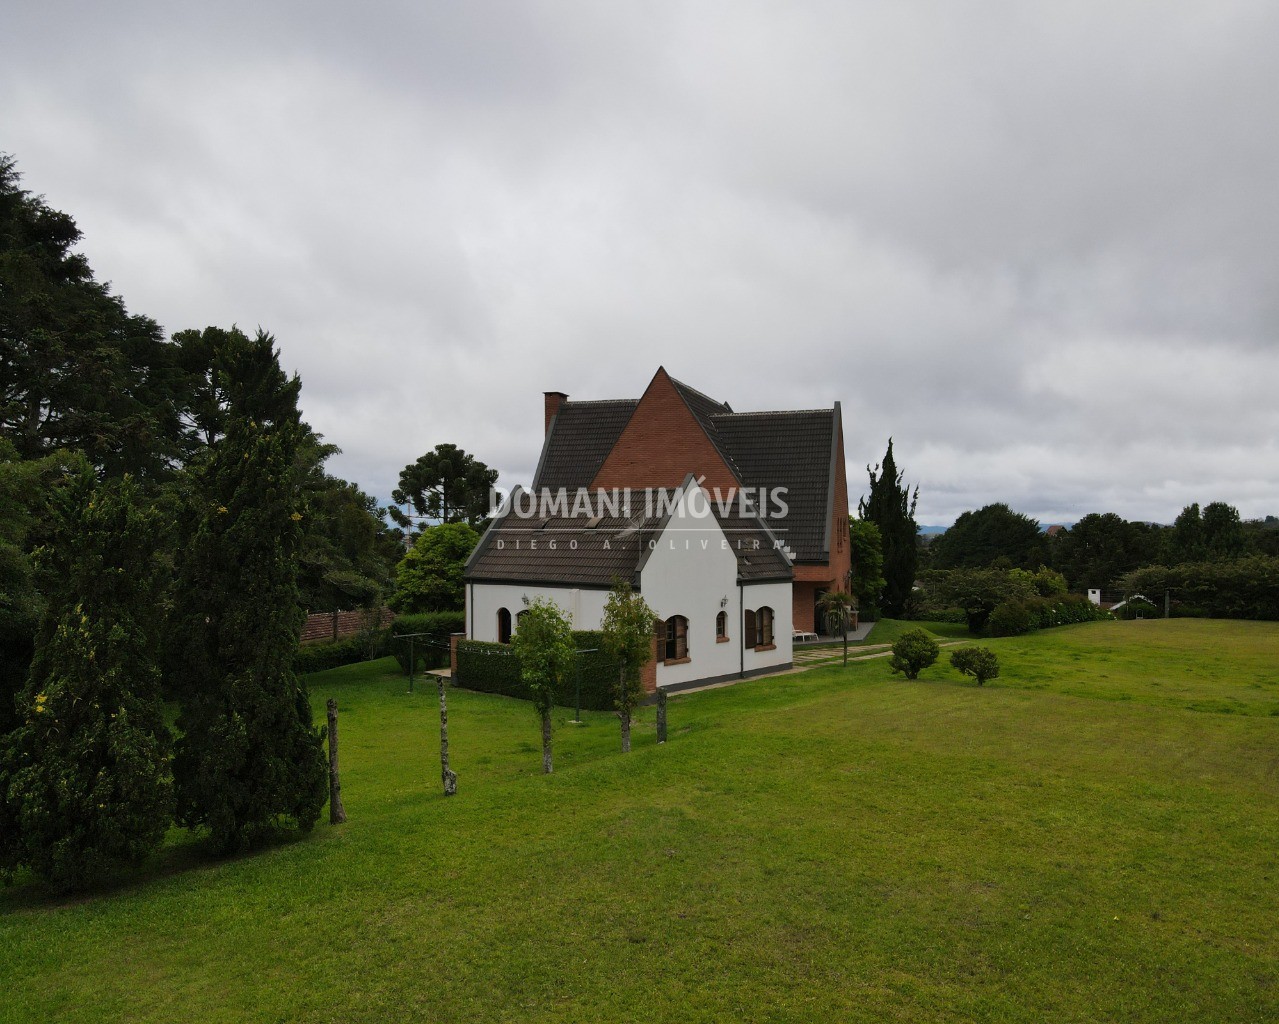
x: 1185, y: 542
x: 891, y: 507
x: 429, y: 577
x: 1043, y: 581
x: 1223, y: 531
x: 866, y: 548
x: 628, y: 639
x: 913, y: 652
x: 978, y: 539
x: 977, y: 591
x: 447, y: 485
x: 77, y: 371
x: 86, y: 774
x: 544, y: 645
x: 249, y: 753
x: 837, y: 610
x: 978, y: 662
x: 1100, y: 548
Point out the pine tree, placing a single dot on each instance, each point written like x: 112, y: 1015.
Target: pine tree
x: 249, y: 754
x: 890, y: 505
x: 86, y: 774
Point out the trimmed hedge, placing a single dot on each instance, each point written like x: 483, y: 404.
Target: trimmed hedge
x: 495, y: 668
x: 1247, y: 588
x: 1013, y: 618
x: 335, y: 653
x: 431, y: 651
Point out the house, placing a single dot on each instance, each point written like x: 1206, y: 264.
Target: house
x: 732, y: 525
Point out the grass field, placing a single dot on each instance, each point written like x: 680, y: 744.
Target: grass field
x: 1093, y: 837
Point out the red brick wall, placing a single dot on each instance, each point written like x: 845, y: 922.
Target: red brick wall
x: 662, y: 444
x: 648, y: 678
x: 322, y: 626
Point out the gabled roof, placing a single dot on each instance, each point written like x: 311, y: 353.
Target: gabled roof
x: 615, y: 548
x: 581, y: 436
x: 791, y: 449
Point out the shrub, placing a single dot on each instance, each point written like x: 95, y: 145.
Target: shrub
x: 432, y: 650
x: 335, y: 653
x: 978, y: 662
x: 1012, y: 618
x: 495, y: 668
x: 913, y: 652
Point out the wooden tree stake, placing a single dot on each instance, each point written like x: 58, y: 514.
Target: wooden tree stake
x: 447, y: 775
x: 337, y: 813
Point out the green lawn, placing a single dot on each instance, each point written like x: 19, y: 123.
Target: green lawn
x: 1090, y: 838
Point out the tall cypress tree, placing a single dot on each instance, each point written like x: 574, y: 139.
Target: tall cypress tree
x: 86, y: 775
x: 249, y: 755
x: 890, y: 505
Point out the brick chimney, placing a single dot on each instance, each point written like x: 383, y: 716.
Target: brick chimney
x: 554, y: 399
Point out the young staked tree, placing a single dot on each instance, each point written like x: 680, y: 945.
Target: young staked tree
x: 837, y: 614
x: 86, y: 773
x: 249, y: 754
x: 891, y: 506
x: 544, y: 645
x: 628, y: 638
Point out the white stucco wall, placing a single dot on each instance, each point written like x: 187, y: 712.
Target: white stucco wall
x: 691, y: 570
x: 778, y: 597
x: 586, y: 607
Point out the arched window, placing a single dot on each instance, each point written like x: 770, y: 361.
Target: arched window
x: 758, y: 628
x: 721, y: 627
x: 676, y: 646
x: 764, y: 627
x: 503, y: 626
x: 519, y: 617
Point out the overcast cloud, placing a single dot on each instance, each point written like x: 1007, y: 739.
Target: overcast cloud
x: 1036, y: 244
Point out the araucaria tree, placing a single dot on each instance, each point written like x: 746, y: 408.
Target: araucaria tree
x: 544, y: 645
x: 890, y: 505
x: 86, y: 776
x: 446, y: 484
x: 249, y: 755
x: 628, y: 639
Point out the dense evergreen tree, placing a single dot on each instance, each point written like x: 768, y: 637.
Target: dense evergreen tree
x: 978, y: 539
x: 76, y: 369
x: 249, y: 754
x: 1100, y: 548
x: 1215, y: 534
x: 890, y: 505
x: 86, y: 775
x: 27, y: 490
x: 447, y: 485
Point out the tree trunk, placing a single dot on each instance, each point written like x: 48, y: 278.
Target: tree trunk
x: 661, y: 715
x: 625, y: 716
x: 337, y: 813
x: 546, y: 742
x: 447, y: 775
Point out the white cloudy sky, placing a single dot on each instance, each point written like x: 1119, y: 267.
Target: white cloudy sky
x: 1036, y: 243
